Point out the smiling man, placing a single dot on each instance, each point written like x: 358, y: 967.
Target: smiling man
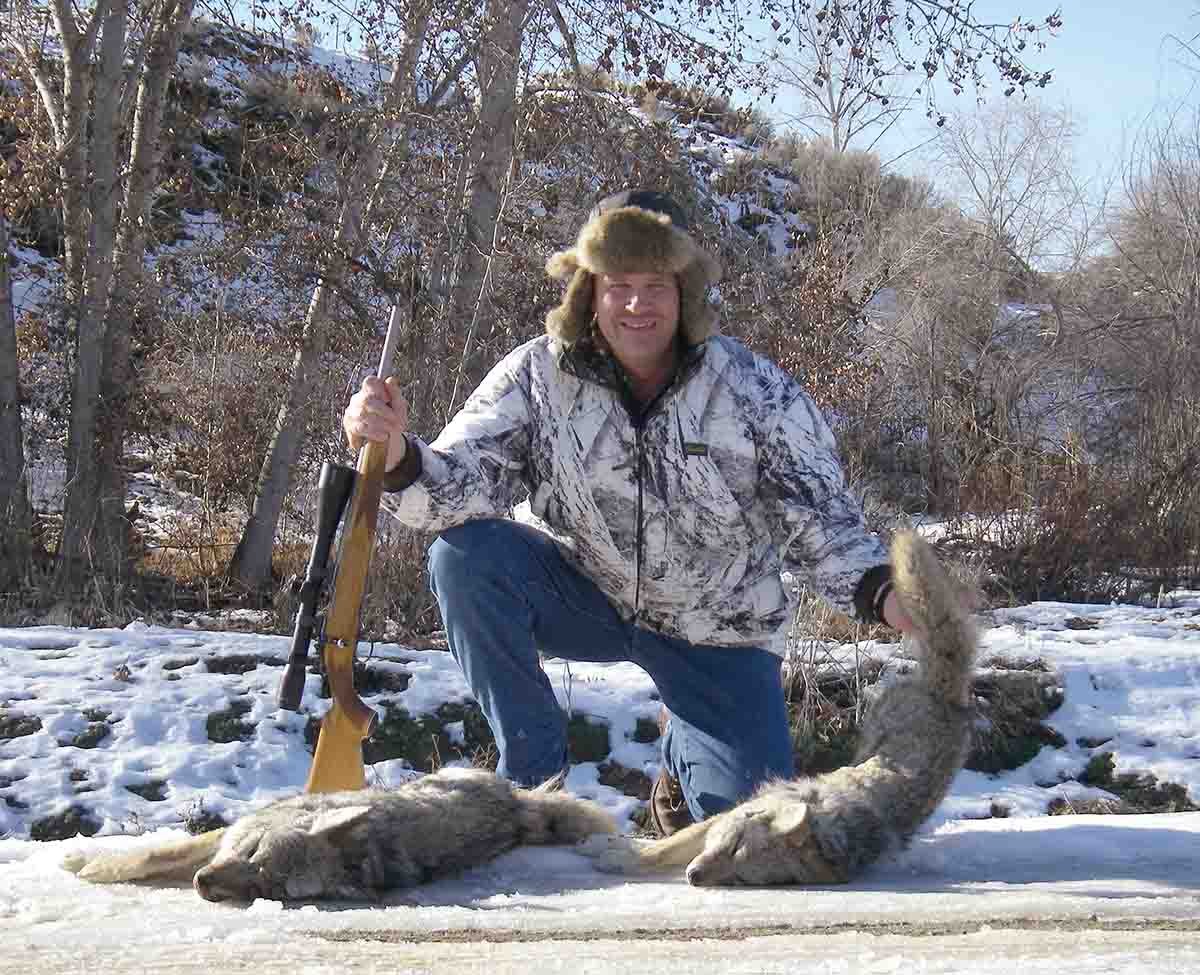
x: 637, y: 315
x: 674, y: 478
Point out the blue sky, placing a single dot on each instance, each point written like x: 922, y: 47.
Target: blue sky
x: 1113, y: 66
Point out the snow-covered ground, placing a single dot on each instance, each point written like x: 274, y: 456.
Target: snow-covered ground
x: 1131, y: 675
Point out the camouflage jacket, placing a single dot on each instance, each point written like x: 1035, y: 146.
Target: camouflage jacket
x: 688, y: 515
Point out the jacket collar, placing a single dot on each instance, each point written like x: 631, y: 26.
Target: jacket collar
x: 591, y: 362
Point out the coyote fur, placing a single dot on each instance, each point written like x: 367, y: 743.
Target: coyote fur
x: 826, y: 828
x: 354, y: 845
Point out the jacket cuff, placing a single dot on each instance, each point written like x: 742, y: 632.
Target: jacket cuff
x: 872, y: 590
x: 409, y: 468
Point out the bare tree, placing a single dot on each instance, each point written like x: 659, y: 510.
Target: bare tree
x: 976, y: 336
x: 1011, y: 166
x: 1150, y: 303
x: 1189, y: 47
x: 488, y: 161
x: 104, y: 100
x: 845, y: 97
x: 1124, y: 513
x: 16, y: 515
x: 871, y: 41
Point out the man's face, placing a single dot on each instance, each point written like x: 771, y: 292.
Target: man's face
x: 638, y: 315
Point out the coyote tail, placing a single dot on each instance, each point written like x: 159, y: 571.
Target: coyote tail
x: 936, y: 604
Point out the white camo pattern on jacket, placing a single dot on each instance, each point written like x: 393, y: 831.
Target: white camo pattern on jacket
x: 742, y: 483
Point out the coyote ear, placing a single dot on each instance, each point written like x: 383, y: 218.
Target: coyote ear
x: 329, y: 825
x: 792, y: 822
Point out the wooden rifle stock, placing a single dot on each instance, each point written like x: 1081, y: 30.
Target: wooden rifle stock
x: 338, y: 762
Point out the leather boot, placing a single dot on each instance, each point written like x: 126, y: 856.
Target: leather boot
x: 669, y: 812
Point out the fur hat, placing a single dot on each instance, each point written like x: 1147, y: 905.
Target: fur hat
x: 629, y: 232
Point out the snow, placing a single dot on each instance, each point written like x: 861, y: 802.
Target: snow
x: 1133, y: 677
x: 32, y: 279
x: 157, y: 685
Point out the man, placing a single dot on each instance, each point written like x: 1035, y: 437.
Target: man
x: 673, y: 476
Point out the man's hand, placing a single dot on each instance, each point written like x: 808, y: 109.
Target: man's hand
x: 895, y: 617
x: 379, y: 412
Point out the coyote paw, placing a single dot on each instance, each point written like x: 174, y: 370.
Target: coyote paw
x: 110, y: 868
x: 612, y: 854
x: 102, y: 868
x: 175, y: 860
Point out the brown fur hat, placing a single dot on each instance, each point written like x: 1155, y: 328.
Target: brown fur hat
x: 634, y: 231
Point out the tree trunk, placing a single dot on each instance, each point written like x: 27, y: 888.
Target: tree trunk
x: 934, y: 428
x: 251, y: 562
x: 489, y: 158
x: 16, y: 516
x: 118, y: 375
x: 82, y: 549
x: 69, y: 116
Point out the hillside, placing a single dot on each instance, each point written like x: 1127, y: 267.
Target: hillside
x: 262, y: 132
x: 960, y: 380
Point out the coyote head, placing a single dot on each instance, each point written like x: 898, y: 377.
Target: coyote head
x: 762, y: 842
x: 283, y: 861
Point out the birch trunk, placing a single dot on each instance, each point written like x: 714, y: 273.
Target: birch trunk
x: 251, y: 562
x: 105, y: 239
x: 16, y: 516
x: 69, y: 111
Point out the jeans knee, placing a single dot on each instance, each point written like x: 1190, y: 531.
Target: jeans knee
x: 486, y: 551
x: 458, y: 552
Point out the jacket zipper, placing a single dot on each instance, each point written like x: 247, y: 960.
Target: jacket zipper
x: 640, y: 535
x: 639, y: 419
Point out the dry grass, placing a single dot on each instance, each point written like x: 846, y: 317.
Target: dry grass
x: 826, y: 670
x: 193, y: 551
x: 397, y: 604
x: 829, y: 666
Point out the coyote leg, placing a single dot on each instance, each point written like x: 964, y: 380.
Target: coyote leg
x: 174, y: 861
x: 624, y: 854
x: 678, y: 849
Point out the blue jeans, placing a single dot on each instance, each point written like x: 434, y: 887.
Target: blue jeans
x: 506, y: 593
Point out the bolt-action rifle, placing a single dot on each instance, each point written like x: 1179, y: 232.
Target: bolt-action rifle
x: 338, y: 762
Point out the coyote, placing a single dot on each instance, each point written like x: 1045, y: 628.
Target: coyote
x: 824, y: 829
x: 353, y: 845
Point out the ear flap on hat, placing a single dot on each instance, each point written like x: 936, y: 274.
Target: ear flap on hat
x: 697, y: 317
x: 570, y: 321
